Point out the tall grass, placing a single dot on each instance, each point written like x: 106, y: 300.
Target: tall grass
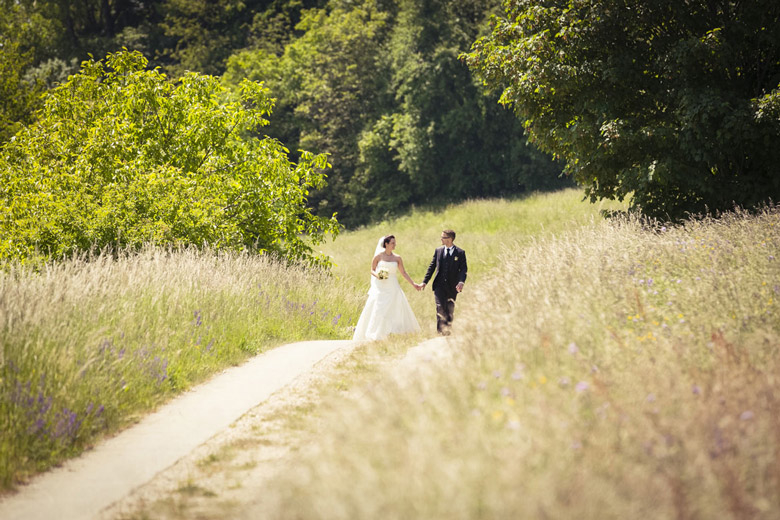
x: 89, y: 343
x: 485, y: 228
x: 610, y: 371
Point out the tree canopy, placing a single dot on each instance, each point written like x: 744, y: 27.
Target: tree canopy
x: 121, y: 156
x: 673, y: 104
x: 376, y: 84
x: 379, y: 86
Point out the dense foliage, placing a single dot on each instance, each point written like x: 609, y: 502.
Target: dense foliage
x: 121, y: 156
x: 45, y: 40
x: 376, y: 84
x: 379, y: 86
x: 672, y: 103
x: 18, y: 97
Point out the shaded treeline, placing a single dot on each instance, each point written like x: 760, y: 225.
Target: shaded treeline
x: 376, y: 84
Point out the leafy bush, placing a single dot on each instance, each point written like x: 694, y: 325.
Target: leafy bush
x: 120, y: 156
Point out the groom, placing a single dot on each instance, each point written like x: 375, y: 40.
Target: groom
x: 450, y: 263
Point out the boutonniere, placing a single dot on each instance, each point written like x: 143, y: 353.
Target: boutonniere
x: 456, y: 258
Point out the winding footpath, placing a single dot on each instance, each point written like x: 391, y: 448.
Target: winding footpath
x: 82, y: 487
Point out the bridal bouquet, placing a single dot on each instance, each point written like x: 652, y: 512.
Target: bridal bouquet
x: 382, y: 274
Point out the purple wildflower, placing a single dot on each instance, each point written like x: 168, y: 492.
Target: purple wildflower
x: 67, y: 425
x: 39, y: 426
x: 581, y: 386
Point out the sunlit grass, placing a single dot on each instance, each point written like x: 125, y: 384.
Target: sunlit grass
x: 485, y: 228
x: 89, y: 343
x: 611, y: 371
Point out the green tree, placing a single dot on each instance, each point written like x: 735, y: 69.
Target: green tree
x: 671, y: 104
x: 64, y: 30
x: 17, y: 98
x: 330, y: 85
x: 200, y: 35
x: 379, y: 85
x: 121, y: 156
x: 23, y: 34
x: 450, y: 138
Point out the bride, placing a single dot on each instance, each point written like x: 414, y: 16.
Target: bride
x: 387, y: 310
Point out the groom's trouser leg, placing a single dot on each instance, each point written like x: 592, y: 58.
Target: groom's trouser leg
x: 445, y: 310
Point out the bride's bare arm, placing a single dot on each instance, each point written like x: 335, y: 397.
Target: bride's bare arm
x: 403, y: 272
x: 374, y: 263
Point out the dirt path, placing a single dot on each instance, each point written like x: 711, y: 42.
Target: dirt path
x: 224, y: 477
x: 97, y: 484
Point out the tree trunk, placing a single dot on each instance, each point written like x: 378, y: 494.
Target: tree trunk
x: 107, y: 19
x: 67, y: 20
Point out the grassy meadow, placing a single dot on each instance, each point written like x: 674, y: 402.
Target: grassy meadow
x: 599, y: 369
x: 607, y: 370
x: 91, y: 343
x: 485, y: 229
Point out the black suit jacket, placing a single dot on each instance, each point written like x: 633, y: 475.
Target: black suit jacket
x: 449, y: 271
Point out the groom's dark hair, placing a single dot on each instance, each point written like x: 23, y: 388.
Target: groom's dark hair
x: 387, y: 239
x: 450, y: 233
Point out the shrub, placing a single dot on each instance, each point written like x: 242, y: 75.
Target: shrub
x: 120, y: 156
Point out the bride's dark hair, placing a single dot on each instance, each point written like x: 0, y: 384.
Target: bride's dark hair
x: 387, y: 239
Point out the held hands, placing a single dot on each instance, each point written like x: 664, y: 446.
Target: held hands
x: 421, y: 286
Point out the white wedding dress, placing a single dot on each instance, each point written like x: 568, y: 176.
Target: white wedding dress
x: 387, y: 310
